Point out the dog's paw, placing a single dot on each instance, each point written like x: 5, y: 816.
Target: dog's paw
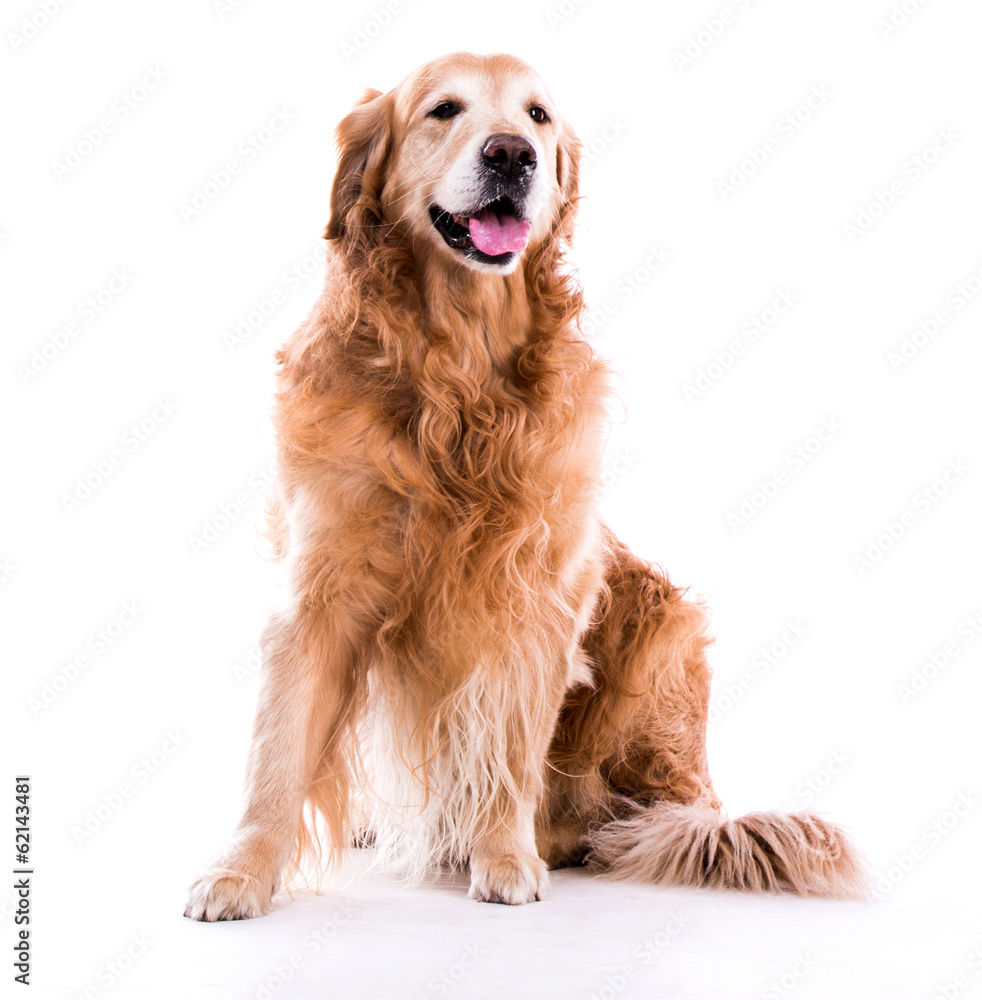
x: 225, y: 894
x: 510, y: 878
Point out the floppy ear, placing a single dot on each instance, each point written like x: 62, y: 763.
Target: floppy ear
x: 364, y: 140
x: 568, y: 150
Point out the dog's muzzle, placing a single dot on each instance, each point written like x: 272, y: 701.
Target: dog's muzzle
x: 496, y: 228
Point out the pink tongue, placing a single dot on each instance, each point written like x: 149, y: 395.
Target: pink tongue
x: 493, y: 235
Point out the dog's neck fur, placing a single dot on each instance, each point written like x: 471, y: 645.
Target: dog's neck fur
x: 461, y: 361
x: 485, y: 320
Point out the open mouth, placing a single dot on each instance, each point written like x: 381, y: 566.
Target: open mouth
x: 493, y: 234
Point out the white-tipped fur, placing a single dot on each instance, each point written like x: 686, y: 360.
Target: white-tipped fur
x: 680, y: 845
x: 424, y: 814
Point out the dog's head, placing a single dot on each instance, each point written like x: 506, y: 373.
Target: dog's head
x: 468, y: 157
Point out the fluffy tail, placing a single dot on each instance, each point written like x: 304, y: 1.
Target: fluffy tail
x: 680, y: 845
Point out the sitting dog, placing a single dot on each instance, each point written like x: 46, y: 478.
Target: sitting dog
x: 471, y: 670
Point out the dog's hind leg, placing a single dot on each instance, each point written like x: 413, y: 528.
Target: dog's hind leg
x: 642, y: 729
x: 637, y: 732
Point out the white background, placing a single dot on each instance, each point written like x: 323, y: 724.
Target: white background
x: 829, y: 723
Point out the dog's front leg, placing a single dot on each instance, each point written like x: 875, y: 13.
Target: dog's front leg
x: 307, y: 692
x: 504, y: 864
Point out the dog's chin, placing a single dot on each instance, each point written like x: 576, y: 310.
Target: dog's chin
x: 473, y: 239
x: 500, y: 265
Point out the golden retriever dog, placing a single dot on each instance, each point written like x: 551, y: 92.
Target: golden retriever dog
x: 471, y: 670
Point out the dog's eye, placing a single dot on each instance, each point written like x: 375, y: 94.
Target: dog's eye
x: 446, y: 110
x: 538, y: 114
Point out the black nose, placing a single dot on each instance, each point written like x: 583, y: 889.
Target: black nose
x: 509, y: 155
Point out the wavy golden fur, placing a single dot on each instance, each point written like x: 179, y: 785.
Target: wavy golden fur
x: 471, y: 669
